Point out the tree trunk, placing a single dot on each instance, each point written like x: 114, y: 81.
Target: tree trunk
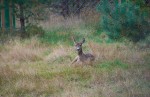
x: 65, y: 8
x: 3, y: 17
x: 22, y: 20
x: 119, y: 1
x: 78, y: 7
x: 10, y: 17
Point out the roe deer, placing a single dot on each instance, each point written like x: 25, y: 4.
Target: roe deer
x: 82, y: 58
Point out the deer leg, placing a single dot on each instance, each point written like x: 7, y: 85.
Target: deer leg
x: 75, y: 60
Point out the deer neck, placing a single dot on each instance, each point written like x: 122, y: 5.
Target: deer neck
x: 80, y: 52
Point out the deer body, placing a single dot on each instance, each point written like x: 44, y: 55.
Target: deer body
x: 82, y: 58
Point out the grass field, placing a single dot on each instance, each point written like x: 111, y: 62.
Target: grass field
x: 40, y: 67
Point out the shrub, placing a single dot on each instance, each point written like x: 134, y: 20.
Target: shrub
x: 123, y: 20
x: 33, y: 30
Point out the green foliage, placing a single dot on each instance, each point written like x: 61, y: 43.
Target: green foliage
x: 123, y: 20
x: 33, y: 30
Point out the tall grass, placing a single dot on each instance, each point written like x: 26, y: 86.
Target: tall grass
x: 61, y: 30
x: 31, y: 68
x: 19, y: 51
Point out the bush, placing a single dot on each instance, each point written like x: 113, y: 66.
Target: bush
x: 123, y: 20
x: 33, y: 30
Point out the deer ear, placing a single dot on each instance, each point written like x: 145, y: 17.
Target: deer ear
x: 73, y: 40
x: 83, y: 40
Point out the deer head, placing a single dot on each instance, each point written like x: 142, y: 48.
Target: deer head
x: 78, y: 45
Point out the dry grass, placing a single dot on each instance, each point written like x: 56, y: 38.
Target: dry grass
x: 55, y: 22
x: 16, y: 51
x: 62, y: 53
x: 88, y: 16
x: 29, y: 68
x: 103, y: 52
x: 109, y: 52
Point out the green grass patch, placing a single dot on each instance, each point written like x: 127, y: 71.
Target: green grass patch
x: 110, y: 65
x: 70, y: 74
x: 64, y: 36
x: 56, y: 36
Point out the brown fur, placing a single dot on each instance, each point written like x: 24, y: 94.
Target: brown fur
x: 86, y: 59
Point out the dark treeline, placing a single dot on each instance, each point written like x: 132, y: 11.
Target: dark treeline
x: 35, y: 9
x: 26, y: 10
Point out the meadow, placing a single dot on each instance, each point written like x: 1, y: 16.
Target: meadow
x: 41, y: 66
